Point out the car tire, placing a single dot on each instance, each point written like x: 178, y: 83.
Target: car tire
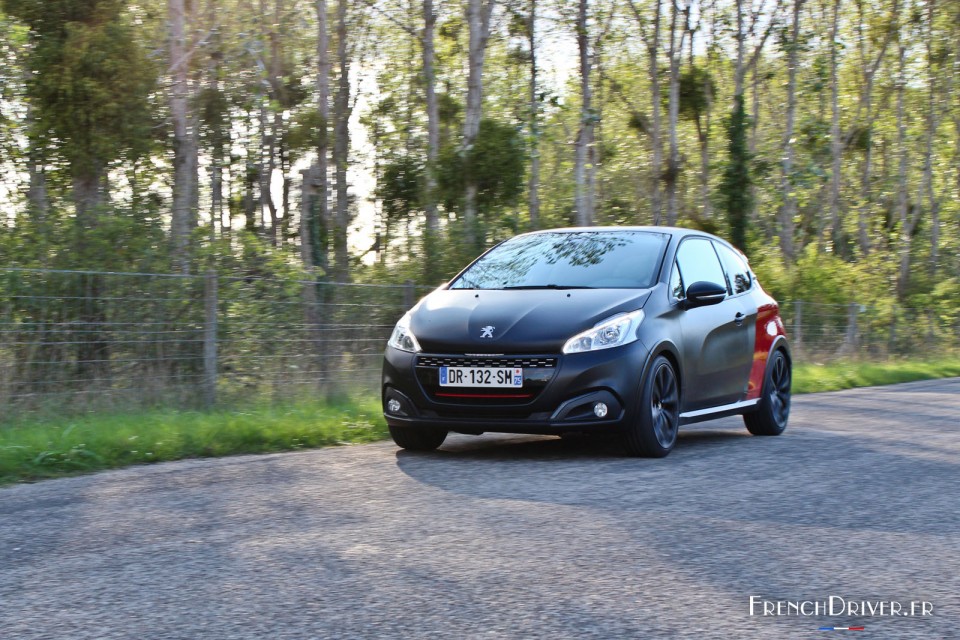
x: 653, y: 430
x: 773, y: 410
x: 418, y: 438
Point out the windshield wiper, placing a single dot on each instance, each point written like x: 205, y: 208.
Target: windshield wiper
x: 548, y: 286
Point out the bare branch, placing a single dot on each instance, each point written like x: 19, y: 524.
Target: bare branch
x: 759, y: 48
x: 410, y: 31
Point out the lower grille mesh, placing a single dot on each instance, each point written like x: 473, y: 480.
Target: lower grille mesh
x: 527, y: 362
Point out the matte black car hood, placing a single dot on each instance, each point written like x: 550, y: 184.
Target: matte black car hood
x: 514, y: 321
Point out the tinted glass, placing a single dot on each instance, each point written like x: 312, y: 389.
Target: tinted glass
x: 698, y: 262
x: 737, y: 270
x: 593, y: 259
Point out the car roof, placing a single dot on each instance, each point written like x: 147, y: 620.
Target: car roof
x: 673, y: 232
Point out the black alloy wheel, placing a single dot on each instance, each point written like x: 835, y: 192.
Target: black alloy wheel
x: 653, y: 432
x: 773, y: 410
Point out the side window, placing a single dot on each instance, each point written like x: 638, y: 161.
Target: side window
x: 738, y: 273
x: 698, y: 262
x: 676, y: 284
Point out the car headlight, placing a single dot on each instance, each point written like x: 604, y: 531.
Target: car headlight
x: 613, y: 332
x: 402, y: 338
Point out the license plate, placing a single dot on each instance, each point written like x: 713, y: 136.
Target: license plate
x: 481, y: 377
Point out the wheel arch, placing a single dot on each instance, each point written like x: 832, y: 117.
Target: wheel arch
x: 779, y: 344
x: 668, y: 350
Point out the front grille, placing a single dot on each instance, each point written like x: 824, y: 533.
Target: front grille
x: 537, y: 373
x: 527, y: 362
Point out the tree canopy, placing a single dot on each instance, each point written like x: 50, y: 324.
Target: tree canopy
x: 394, y: 139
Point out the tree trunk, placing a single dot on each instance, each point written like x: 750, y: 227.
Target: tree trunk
x: 739, y: 69
x: 907, y: 217
x: 92, y: 348
x: 533, y: 185
x: 652, y: 42
x: 432, y: 231
x: 184, y: 144
x: 836, y: 144
x: 932, y: 125
x: 478, y: 21
x: 863, y: 225
x: 865, y: 104
x: 311, y: 309
x: 672, y: 175
x: 341, y: 149
x: 217, y: 151
x: 789, y: 208
x: 275, y: 150
x: 319, y: 215
x: 433, y: 116
x: 37, y: 195
x: 702, y: 122
x: 584, y: 210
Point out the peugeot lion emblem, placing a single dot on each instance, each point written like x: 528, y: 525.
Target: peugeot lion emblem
x: 487, y: 331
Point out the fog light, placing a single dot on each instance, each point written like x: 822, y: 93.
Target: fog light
x: 393, y: 406
x: 600, y: 410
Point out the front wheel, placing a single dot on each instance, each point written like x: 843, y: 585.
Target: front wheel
x: 773, y: 410
x: 653, y: 431
x: 418, y: 438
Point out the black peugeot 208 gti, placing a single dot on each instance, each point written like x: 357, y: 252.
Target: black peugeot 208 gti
x: 637, y: 330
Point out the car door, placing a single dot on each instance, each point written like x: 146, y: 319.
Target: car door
x: 716, y: 340
x: 739, y: 285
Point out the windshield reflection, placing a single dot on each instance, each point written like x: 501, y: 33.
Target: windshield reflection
x: 568, y: 260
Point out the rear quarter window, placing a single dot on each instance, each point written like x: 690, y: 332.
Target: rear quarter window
x: 736, y: 269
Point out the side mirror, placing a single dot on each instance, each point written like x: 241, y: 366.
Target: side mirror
x: 702, y: 294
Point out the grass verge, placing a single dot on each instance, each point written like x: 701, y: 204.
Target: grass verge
x: 811, y: 378
x: 51, y: 447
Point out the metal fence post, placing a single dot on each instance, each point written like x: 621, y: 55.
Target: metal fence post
x: 798, y: 323
x: 210, y: 339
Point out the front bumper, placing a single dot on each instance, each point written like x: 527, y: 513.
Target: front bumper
x: 562, y: 402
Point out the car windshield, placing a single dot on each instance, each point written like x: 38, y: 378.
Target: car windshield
x: 569, y: 260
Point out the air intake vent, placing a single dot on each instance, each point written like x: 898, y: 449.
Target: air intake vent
x: 527, y: 362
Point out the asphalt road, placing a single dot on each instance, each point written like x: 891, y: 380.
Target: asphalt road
x: 511, y: 537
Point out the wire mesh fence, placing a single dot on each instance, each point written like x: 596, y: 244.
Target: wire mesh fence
x: 828, y: 332
x: 75, y: 340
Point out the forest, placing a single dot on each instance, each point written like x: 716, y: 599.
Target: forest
x: 383, y: 141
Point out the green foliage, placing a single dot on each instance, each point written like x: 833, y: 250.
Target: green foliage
x: 90, y: 84
x: 308, y: 132
x: 496, y: 164
x: 639, y: 122
x: 697, y: 91
x: 401, y: 187
x: 51, y: 447
x: 734, y: 192
x: 449, y: 108
x: 812, y: 378
x: 248, y: 254
x: 214, y: 112
x: 822, y: 277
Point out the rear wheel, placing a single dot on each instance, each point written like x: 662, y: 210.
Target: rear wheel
x: 418, y: 438
x: 653, y: 431
x: 773, y: 410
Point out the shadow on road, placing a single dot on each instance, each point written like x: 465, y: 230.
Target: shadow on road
x: 806, y: 477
